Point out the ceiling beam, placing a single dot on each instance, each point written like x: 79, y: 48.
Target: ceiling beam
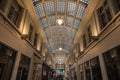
x: 76, y: 9
x: 62, y: 15
x: 61, y: 25
x: 47, y: 18
x: 55, y: 5
x: 65, y: 16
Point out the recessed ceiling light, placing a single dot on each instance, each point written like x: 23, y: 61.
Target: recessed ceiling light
x: 60, y: 49
x: 60, y: 21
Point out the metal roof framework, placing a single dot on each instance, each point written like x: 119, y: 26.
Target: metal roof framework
x: 60, y: 36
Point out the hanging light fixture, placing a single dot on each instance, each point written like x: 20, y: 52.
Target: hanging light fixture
x: 60, y: 49
x: 59, y: 21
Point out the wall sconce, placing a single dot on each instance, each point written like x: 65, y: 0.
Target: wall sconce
x: 81, y: 52
x: 25, y: 36
x: 95, y: 37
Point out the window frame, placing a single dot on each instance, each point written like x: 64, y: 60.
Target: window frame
x: 14, y: 15
x: 104, y: 17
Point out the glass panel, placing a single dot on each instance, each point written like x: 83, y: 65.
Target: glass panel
x: 60, y: 29
x: 69, y: 21
x: 73, y: 33
x: 95, y: 66
x: 50, y: 7
x: 71, y: 8
x: 112, y: 62
x: 51, y: 44
x: 60, y: 7
x: 77, y: 24
x: 52, y: 20
x: 35, y: 0
x: 65, y: 40
x: 85, y: 1
x: 68, y: 30
x: 44, y: 22
x: 2, y: 68
x: 13, y: 12
x: 55, y: 39
x: 40, y: 10
x: 80, y: 11
x: 54, y: 29
x: 47, y: 32
x: 23, y: 69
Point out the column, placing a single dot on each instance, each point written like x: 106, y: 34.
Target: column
x: 103, y: 69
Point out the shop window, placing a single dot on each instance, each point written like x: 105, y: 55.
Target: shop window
x: 23, y: 68
x: 30, y: 32
x: 104, y: 14
x: 112, y: 63
x: 87, y: 71
x: 95, y: 68
x: 35, y: 39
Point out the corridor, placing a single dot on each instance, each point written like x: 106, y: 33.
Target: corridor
x: 59, y: 40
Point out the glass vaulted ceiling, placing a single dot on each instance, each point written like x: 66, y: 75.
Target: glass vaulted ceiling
x: 71, y: 11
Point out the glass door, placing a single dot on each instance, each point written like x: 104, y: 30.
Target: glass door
x: 23, y: 69
x: 3, y: 66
